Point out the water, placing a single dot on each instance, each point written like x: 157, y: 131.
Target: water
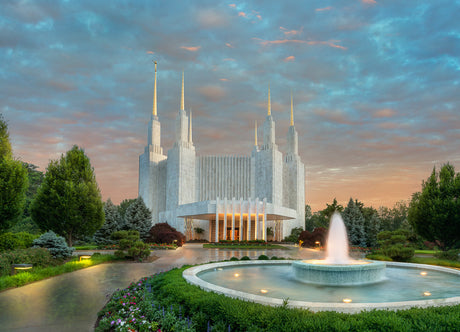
x: 337, y: 242
x: 401, y: 284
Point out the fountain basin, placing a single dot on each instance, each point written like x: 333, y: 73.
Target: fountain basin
x: 360, y: 273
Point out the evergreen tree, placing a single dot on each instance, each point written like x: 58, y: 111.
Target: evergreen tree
x: 69, y: 201
x: 435, y: 211
x: 124, y: 206
x: 354, y: 222
x: 13, y: 182
x: 113, y: 223
x: 138, y: 217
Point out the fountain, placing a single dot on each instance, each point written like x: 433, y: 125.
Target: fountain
x: 338, y: 268
x: 332, y: 283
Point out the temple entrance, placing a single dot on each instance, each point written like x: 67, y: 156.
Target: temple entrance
x: 229, y: 233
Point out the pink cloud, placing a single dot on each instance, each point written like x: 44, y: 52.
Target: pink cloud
x: 232, y: 5
x: 384, y: 113
x: 298, y: 41
x: 290, y: 58
x: 229, y: 45
x: 259, y: 17
x: 224, y: 79
x: 291, y: 32
x: 242, y: 14
x: 369, y: 2
x: 150, y: 52
x: 323, y: 9
x: 191, y: 48
x: 229, y: 59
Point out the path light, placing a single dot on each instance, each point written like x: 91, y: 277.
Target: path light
x: 82, y: 257
x: 426, y: 293
x: 423, y: 273
x: 264, y: 291
x: 236, y: 275
x: 346, y: 300
x: 219, y: 269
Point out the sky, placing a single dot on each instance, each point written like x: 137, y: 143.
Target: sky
x: 375, y: 85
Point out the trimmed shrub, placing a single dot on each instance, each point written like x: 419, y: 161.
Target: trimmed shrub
x: 164, y: 233
x: 21, y: 240
x: 55, y: 244
x: 263, y: 258
x: 39, y: 257
x: 245, y: 258
x: 234, y: 258
x: 452, y: 255
x: 130, y: 246
x: 274, y: 258
x: 396, y: 245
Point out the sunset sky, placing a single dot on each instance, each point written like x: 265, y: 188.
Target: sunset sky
x: 375, y: 85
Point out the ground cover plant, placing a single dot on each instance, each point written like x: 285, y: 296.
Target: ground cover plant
x: 166, y: 302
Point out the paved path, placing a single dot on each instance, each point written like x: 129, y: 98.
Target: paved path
x: 70, y: 302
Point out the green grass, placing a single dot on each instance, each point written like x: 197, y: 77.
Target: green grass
x: 86, y: 247
x: 428, y: 252
x: 435, y: 261
x: 36, y: 274
x: 244, y: 246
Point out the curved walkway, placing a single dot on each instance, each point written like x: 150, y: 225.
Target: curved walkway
x: 70, y: 302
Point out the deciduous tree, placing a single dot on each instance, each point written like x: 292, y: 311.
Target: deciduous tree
x: 69, y: 201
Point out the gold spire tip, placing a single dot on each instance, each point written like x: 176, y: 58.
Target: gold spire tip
x: 269, y: 111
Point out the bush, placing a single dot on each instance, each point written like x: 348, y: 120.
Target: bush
x: 274, y: 258
x: 55, y: 244
x: 295, y: 233
x: 164, y: 233
x: 130, y: 246
x: 234, y: 258
x: 379, y: 257
x: 396, y: 245
x: 245, y: 258
x: 263, y: 258
x: 310, y: 238
x: 11, y: 241
x: 39, y: 257
x: 452, y: 255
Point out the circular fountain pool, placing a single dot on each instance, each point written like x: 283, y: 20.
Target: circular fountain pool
x: 272, y: 282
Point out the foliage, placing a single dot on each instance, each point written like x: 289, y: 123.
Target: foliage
x: 394, y: 218
x: 294, y: 237
x: 270, y: 231
x: 13, y: 182
x: 396, y: 245
x: 138, y: 217
x: 245, y: 258
x: 56, y: 245
x: 354, y: 222
x: 130, y: 246
x: 169, y: 297
x: 40, y: 272
x: 198, y: 230
x: 263, y: 258
x: 309, y: 239
x: 452, y: 254
x: 112, y: 223
x: 435, y: 211
x: 11, y: 241
x: 39, y: 257
x: 124, y: 205
x: 164, y: 233
x: 322, y: 218
x: 69, y: 201
x: 378, y: 257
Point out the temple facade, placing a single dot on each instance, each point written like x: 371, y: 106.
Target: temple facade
x: 231, y: 197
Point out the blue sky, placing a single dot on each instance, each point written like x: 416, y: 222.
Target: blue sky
x: 375, y: 85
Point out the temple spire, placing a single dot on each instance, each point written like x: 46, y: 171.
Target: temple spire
x: 269, y: 111
x: 255, y: 134
x: 190, y: 128
x: 154, y: 112
x: 182, y: 94
x: 292, y: 111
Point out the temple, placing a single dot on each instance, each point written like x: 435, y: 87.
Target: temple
x: 230, y: 197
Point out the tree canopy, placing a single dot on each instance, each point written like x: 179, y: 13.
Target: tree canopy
x: 13, y: 182
x: 138, y: 217
x: 69, y: 201
x: 435, y: 211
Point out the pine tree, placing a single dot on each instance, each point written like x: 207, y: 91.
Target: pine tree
x: 68, y: 201
x: 354, y: 222
x: 138, y: 217
x: 113, y: 223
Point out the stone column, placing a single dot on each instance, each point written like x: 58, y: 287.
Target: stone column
x: 241, y: 219
x: 224, y: 234
x: 249, y: 219
x: 256, y: 221
x: 217, y: 219
x: 233, y: 219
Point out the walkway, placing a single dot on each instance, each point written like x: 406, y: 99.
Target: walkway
x: 70, y: 302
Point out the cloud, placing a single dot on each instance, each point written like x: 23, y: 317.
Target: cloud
x: 211, y: 18
x: 212, y: 93
x: 232, y: 5
x: 242, y: 14
x: 323, y: 9
x: 290, y: 58
x: 224, y: 79
x: 369, y: 2
x: 384, y: 113
x: 150, y: 52
x: 291, y: 32
x: 229, y: 45
x: 298, y: 41
x: 191, y: 48
x: 229, y: 59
